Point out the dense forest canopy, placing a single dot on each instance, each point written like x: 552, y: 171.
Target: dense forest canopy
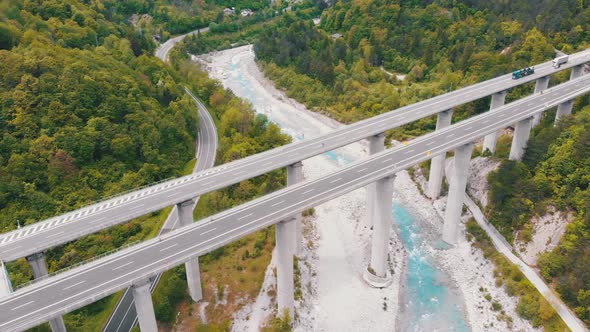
x: 83, y: 114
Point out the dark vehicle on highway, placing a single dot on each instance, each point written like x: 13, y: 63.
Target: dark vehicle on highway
x: 523, y: 72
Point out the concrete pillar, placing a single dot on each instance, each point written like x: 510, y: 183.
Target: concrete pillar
x: 576, y: 72
x: 489, y: 142
x: 39, y: 266
x: 457, y: 182
x: 5, y: 285
x: 193, y: 273
x: 522, y: 131
x: 144, y: 307
x: 294, y: 176
x: 376, y: 145
x: 565, y: 108
x: 289, y: 238
x: 382, y: 226
x: 437, y: 162
x: 285, y: 284
x: 541, y: 84
x: 37, y: 262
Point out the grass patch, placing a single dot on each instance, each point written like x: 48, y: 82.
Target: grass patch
x: 235, y: 271
x: 92, y: 317
x: 189, y: 166
x: 503, y: 147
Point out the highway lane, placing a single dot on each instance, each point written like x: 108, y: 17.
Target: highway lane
x: 73, y: 289
x: 58, y: 230
x: 124, y: 317
x: 164, y: 49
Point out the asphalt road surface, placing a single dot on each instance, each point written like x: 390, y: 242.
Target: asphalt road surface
x: 164, y: 49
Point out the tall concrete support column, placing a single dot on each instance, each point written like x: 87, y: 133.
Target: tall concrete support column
x: 437, y: 163
x: 285, y: 284
x: 144, y: 307
x: 565, y: 108
x: 193, y: 273
x: 5, y: 285
x: 39, y: 266
x: 541, y: 84
x: 289, y: 238
x: 457, y: 182
x: 376, y: 145
x: 294, y: 176
x: 382, y: 226
x: 522, y: 132
x: 489, y: 142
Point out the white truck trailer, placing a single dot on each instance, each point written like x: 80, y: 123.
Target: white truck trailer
x: 560, y: 60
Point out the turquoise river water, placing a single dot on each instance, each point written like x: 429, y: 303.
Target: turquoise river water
x: 428, y: 303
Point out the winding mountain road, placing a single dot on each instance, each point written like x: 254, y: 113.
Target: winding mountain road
x: 124, y: 317
x: 164, y: 49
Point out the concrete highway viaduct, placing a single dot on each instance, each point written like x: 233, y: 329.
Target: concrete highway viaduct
x: 55, y: 295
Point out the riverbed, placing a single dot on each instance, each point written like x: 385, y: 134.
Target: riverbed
x: 424, y: 295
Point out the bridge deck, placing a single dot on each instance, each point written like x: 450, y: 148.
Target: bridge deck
x: 65, y: 292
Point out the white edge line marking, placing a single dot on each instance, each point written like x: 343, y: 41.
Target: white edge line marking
x: 307, y: 192
x: 122, y: 266
x: 246, y: 216
x: 76, y: 284
x: 168, y: 247
x: 209, y: 231
x: 336, y: 180
x: 22, y: 305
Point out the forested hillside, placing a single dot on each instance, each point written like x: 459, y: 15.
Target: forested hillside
x: 348, y: 66
x: 83, y: 114
x: 171, y: 17
x: 555, y: 171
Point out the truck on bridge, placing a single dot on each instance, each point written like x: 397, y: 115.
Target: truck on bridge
x: 557, y: 62
x: 523, y: 72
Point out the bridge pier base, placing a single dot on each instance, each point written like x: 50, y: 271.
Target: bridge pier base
x: 39, y: 266
x: 437, y: 162
x: 144, y: 307
x: 377, y: 274
x: 541, y: 84
x: 489, y: 141
x: 5, y: 285
x: 193, y: 273
x: 522, y: 132
x: 376, y: 145
x: 285, y: 283
x: 294, y: 176
x: 565, y: 108
x: 457, y: 182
